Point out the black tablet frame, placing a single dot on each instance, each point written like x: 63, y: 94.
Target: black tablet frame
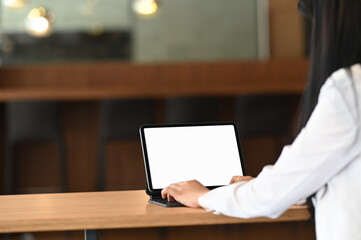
x: 155, y: 193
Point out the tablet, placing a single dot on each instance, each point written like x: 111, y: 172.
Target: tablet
x: 207, y: 152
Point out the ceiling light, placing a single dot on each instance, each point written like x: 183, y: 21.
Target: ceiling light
x: 13, y: 3
x: 39, y: 22
x: 145, y: 7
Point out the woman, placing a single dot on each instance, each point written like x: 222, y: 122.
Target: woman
x: 325, y: 158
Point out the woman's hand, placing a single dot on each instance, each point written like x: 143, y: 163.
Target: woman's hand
x: 237, y: 179
x: 186, y: 193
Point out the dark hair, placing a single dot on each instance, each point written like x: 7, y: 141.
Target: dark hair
x: 335, y: 43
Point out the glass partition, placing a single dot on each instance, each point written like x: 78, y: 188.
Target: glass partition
x: 43, y: 31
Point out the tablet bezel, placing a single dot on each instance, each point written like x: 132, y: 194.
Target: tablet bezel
x: 156, y: 192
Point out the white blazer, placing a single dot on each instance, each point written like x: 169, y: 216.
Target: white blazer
x: 324, y: 158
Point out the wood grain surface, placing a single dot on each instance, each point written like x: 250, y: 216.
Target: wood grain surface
x: 93, y: 81
x: 109, y: 210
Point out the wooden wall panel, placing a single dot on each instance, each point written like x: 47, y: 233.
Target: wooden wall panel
x: 75, y: 83
x: 287, y: 30
x: 38, y: 166
x: 90, y: 81
x: 124, y: 165
x: 81, y: 127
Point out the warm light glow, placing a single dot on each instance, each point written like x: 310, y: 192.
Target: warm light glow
x: 34, y: 13
x: 38, y: 22
x: 42, y: 11
x: 13, y: 3
x: 145, y: 7
x: 40, y: 25
x: 51, y: 17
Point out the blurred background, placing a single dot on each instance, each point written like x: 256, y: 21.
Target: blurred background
x: 36, y: 31
x: 78, y: 78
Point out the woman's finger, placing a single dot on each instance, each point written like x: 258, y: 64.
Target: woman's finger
x: 170, y: 192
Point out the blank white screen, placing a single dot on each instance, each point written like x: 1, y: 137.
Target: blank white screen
x: 208, y: 154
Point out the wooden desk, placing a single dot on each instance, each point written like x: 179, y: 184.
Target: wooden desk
x: 94, y: 81
x: 109, y: 210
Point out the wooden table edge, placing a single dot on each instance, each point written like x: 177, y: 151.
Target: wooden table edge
x: 188, y: 219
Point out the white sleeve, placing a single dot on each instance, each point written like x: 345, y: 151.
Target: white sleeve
x: 319, y: 152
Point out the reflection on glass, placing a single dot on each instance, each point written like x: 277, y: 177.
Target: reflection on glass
x: 88, y: 6
x: 13, y: 3
x: 107, y: 30
x: 38, y: 22
x: 145, y: 7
